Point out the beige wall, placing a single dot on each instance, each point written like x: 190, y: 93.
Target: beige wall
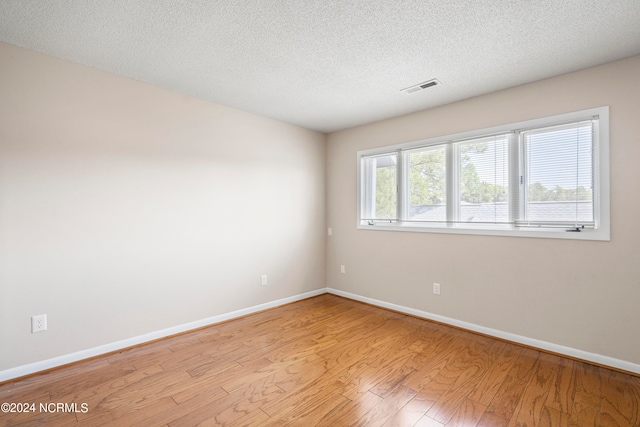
x: 580, y: 294
x: 126, y: 208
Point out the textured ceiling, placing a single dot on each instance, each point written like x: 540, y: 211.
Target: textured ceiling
x: 328, y: 65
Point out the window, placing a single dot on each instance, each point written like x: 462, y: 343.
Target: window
x: 483, y: 180
x: 558, y: 172
x: 427, y: 184
x: 542, y: 178
x: 381, y: 170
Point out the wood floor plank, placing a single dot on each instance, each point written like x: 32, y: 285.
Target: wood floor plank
x: 314, y: 413
x: 586, y: 395
x: 425, y: 421
x: 504, y: 403
x: 560, y: 394
x: 131, y: 393
x: 425, y: 377
x: 147, y: 354
x: 525, y: 364
x: 503, y: 357
x: 268, y: 369
x: 231, y: 407
x: 299, y: 374
x: 390, y: 377
x: 350, y: 413
x: 473, y: 364
x: 468, y: 414
x: 532, y: 403
x: 329, y: 361
x: 196, y: 403
x: 451, y: 399
x: 620, y: 401
x: 357, y: 380
x: 410, y: 413
x: 291, y: 405
x: 255, y: 418
x: 130, y: 415
x: 348, y: 353
x: 62, y: 381
x: 387, y: 408
x: 552, y: 417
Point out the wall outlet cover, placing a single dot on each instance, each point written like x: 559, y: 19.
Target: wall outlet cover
x: 38, y: 323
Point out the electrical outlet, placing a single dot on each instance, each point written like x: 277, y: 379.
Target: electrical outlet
x: 330, y: 231
x: 264, y: 280
x: 38, y: 323
x: 436, y: 288
x: 342, y: 269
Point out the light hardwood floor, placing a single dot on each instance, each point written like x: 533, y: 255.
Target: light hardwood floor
x: 332, y: 362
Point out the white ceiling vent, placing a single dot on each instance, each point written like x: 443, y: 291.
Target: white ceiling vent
x: 421, y: 86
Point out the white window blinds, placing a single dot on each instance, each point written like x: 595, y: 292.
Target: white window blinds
x: 484, y: 180
x: 558, y: 175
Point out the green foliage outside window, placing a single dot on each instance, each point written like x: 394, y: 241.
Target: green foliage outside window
x: 427, y: 177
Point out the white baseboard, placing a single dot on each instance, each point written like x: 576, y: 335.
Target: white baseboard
x: 542, y: 345
x: 55, y: 362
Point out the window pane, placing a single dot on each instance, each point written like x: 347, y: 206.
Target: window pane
x: 484, y: 180
x: 559, y: 174
x: 427, y: 184
x: 380, y: 199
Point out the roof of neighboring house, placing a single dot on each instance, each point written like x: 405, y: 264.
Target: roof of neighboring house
x: 499, y: 212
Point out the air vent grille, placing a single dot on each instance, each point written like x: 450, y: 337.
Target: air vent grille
x: 421, y: 86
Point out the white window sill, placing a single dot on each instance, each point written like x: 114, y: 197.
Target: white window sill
x: 495, y: 230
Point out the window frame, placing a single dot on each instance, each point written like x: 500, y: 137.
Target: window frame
x: 601, y: 180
